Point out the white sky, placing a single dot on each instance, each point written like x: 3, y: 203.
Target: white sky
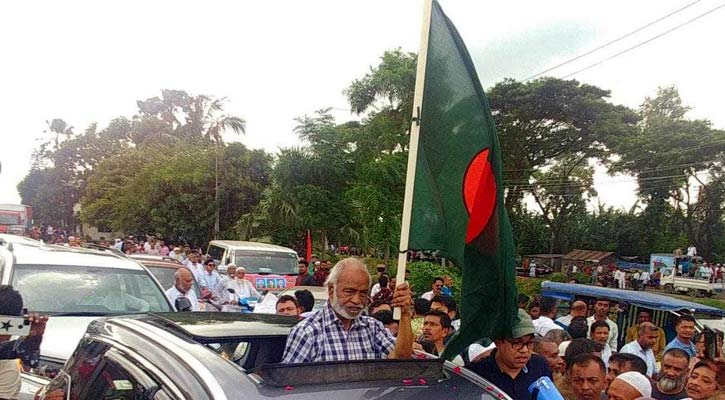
x: 276, y: 60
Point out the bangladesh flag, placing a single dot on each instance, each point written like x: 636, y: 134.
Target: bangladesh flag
x: 457, y: 202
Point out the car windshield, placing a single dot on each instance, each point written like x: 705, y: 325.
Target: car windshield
x: 87, y: 289
x: 166, y: 277
x: 9, y: 219
x: 266, y: 262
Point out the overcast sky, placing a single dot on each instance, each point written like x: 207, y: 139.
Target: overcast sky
x: 276, y: 60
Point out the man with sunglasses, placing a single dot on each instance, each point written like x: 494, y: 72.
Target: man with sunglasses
x: 436, y: 289
x: 513, y: 366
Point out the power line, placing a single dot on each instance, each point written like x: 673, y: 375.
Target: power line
x: 613, y: 41
x: 568, y: 184
x: 645, y: 42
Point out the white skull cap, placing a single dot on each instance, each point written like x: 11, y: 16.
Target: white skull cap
x: 637, y: 381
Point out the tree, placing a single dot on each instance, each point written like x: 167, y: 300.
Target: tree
x: 544, y: 119
x: 669, y: 154
x: 560, y: 194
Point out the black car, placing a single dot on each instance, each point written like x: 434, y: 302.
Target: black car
x: 236, y: 356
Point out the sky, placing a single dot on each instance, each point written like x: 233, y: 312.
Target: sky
x: 90, y: 61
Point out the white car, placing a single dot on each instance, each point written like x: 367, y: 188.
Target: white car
x: 73, y: 286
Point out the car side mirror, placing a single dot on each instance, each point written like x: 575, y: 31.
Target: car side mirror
x: 182, y: 304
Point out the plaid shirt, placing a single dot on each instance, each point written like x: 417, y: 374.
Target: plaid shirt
x: 321, y: 337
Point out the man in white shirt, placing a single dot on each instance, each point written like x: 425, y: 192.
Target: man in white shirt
x: 183, y: 283
x: 194, y: 265
x: 642, y: 347
x: 692, y: 251
x: 599, y: 332
x: 601, y: 313
x: 545, y: 322
x: 242, y: 287
x: 436, y: 289
x: 220, y: 291
x: 578, y: 309
x: 635, y: 280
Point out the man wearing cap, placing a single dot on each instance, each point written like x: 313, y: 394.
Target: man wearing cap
x: 512, y: 366
x: 629, y: 386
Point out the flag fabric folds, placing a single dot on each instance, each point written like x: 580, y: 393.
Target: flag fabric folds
x: 457, y: 204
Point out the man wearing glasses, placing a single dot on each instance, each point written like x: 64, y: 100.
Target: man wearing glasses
x: 436, y: 289
x: 512, y: 366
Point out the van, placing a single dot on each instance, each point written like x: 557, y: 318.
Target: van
x: 269, y: 267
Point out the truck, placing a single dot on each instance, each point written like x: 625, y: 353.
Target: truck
x: 672, y: 283
x: 15, y: 218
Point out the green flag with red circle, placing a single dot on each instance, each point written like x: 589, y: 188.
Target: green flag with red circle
x: 457, y: 204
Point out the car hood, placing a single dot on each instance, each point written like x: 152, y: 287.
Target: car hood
x: 62, y: 335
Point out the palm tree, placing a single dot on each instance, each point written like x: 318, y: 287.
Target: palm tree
x: 217, y: 123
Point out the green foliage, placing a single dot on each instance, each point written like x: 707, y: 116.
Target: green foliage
x: 529, y: 286
x: 558, y: 277
x: 423, y: 273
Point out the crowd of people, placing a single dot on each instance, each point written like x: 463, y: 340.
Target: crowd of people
x: 586, y: 362
x: 580, y: 352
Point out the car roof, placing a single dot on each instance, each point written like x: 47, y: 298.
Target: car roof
x: 188, y: 360
x: 43, y: 254
x: 210, y: 326
x: 567, y: 291
x: 143, y: 258
x: 160, y: 264
x: 240, y: 245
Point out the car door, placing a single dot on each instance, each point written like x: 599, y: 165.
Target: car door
x: 120, y: 379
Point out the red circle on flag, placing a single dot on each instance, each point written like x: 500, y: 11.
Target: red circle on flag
x: 479, y: 193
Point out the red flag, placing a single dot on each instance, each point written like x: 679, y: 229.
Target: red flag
x: 309, y: 246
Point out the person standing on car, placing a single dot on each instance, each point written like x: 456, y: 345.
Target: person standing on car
x: 340, y: 331
x: 512, y: 366
x: 601, y: 313
x: 183, y: 284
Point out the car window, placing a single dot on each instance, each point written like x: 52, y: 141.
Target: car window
x: 113, y: 382
x: 216, y: 253
x: 80, y: 368
x: 75, y: 289
x: 266, y: 262
x: 166, y: 278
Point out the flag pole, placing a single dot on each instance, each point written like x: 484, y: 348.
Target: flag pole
x: 413, y: 147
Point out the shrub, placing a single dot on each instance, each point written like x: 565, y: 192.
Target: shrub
x: 423, y: 272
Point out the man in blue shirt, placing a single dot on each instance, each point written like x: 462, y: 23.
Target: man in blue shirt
x: 512, y: 366
x: 685, y: 328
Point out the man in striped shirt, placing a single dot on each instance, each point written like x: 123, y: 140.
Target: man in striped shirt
x: 339, y: 331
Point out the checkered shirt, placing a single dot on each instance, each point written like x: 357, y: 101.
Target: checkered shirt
x: 321, y: 337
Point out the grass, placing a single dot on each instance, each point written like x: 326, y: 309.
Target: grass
x: 712, y: 302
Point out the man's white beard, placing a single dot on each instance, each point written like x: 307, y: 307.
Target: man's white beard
x: 668, y: 385
x: 339, y: 308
